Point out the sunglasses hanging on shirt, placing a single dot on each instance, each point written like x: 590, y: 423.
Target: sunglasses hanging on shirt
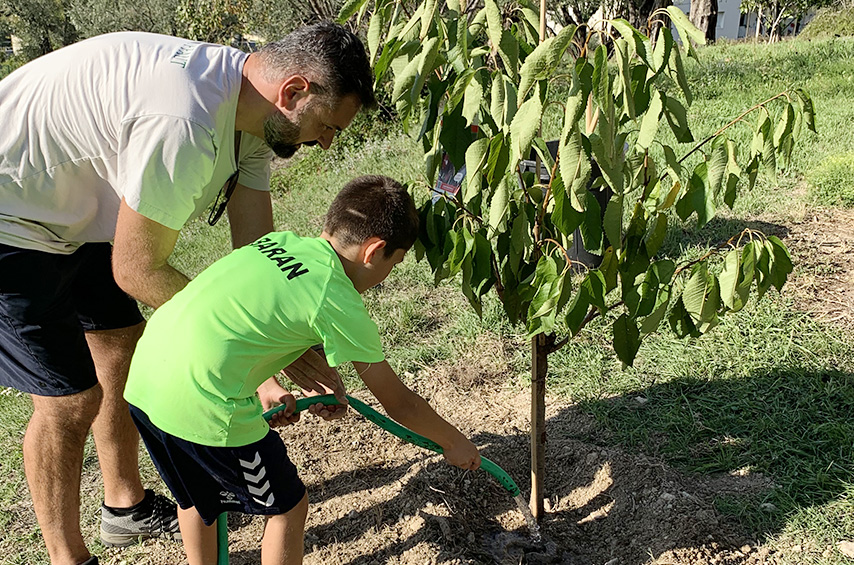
x: 219, y: 207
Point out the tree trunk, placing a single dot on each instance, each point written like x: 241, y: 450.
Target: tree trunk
x: 704, y: 15
x: 539, y: 368
x: 758, y: 22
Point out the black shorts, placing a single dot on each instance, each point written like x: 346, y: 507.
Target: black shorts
x: 254, y: 479
x: 47, y: 302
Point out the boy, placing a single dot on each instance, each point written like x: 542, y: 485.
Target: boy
x: 204, y: 354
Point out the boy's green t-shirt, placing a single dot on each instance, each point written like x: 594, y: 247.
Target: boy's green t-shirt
x: 205, y: 352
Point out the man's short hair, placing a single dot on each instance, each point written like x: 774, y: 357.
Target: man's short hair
x: 373, y: 206
x: 330, y: 56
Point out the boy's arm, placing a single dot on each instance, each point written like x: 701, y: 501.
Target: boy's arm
x: 413, y: 412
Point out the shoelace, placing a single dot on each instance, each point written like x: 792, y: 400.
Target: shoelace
x: 159, y: 512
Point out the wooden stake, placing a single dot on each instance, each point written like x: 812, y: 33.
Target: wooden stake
x: 539, y: 368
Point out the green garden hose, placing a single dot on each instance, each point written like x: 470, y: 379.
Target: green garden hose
x: 385, y: 423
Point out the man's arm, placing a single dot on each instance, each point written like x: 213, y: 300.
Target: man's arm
x: 250, y: 215
x: 415, y: 413
x: 140, y: 252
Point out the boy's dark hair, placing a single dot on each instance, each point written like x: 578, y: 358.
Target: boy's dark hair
x: 332, y: 57
x: 373, y: 206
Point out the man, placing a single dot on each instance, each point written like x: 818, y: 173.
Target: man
x: 126, y: 137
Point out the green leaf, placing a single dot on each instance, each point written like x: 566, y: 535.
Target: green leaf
x: 458, y: 51
x: 543, y: 61
x: 782, y: 263
x: 375, y: 30
x: 733, y: 173
x: 733, y: 295
x: 525, y: 125
x: 475, y: 160
x: 564, y: 217
x: 404, y: 80
x: 499, y: 203
x: 610, y: 268
x: 601, y: 80
x: 498, y: 160
x: 698, y: 198
x: 349, y: 8
x: 676, y: 69
x: 656, y: 235
x: 474, y: 96
x: 636, y: 39
x: 763, y: 269
x: 677, y: 117
x: 427, y: 17
x: 717, y: 164
x: 498, y: 99
x: 621, y: 55
x: 681, y: 322
x: 574, y: 168
x: 701, y: 298
x: 807, y: 108
x: 649, y: 124
x: 591, y: 226
x: 687, y: 30
x: 626, y: 339
x: 613, y: 221
x: 661, y: 53
x: 547, y: 284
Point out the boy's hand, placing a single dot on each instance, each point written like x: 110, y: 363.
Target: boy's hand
x: 463, y: 455
x: 271, y: 395
x: 310, y: 372
x: 332, y: 412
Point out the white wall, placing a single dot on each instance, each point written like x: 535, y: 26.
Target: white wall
x: 729, y: 16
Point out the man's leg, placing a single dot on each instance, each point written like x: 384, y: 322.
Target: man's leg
x: 116, y: 438
x: 53, y: 461
x: 200, y: 541
x: 283, y: 536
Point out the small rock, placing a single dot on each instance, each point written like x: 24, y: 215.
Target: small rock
x: 667, y: 497
x: 846, y: 547
x: 470, y: 537
x: 746, y: 549
x: 351, y: 514
x: 641, y: 400
x: 592, y: 457
x: 767, y: 507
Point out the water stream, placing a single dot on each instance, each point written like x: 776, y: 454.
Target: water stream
x: 533, y: 527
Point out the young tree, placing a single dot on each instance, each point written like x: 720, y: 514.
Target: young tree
x: 470, y: 86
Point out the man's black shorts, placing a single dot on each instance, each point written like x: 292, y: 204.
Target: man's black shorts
x: 47, y: 302
x: 255, y: 479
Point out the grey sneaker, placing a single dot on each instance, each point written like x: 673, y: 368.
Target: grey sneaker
x: 155, y: 516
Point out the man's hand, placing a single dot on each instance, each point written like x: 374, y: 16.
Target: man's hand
x: 463, y: 455
x: 328, y: 413
x: 271, y: 395
x: 311, y: 373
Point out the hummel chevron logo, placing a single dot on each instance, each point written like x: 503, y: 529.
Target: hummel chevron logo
x: 257, y: 489
x: 256, y: 478
x: 251, y: 464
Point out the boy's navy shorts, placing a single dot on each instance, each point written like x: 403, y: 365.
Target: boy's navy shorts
x: 47, y: 303
x: 255, y: 479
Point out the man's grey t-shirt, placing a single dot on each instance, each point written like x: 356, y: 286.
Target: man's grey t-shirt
x: 135, y: 116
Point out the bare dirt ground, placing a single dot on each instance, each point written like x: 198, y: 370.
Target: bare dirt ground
x: 377, y: 500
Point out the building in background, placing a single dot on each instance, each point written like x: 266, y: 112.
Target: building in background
x: 732, y: 24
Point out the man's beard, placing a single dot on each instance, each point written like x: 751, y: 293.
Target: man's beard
x: 281, y: 134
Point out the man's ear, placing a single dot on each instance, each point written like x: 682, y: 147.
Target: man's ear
x: 370, y: 248
x: 292, y: 91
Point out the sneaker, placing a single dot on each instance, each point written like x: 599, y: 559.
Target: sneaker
x: 91, y: 561
x: 155, y: 516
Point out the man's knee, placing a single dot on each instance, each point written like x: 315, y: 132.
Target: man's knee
x: 73, y: 413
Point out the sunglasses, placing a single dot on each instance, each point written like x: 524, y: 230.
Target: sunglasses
x: 219, y: 207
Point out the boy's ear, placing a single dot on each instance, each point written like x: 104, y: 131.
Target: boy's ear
x: 370, y: 248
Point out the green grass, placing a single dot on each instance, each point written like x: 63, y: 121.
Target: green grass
x: 769, y: 390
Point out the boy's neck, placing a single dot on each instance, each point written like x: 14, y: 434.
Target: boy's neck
x: 351, y: 258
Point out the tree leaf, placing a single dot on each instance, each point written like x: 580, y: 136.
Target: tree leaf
x: 626, y: 339
x: 649, y: 123
x: 499, y: 203
x: 733, y: 296
x: 613, y: 221
x: 677, y: 117
x: 676, y: 69
x: 349, y: 8
x: 656, y: 234
x: 807, y: 108
x: 733, y: 173
x: 525, y: 125
x: 474, y: 96
x: 717, y: 164
x: 476, y: 155
x: 701, y: 298
x: 543, y: 61
x: 687, y: 30
x: 782, y: 264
